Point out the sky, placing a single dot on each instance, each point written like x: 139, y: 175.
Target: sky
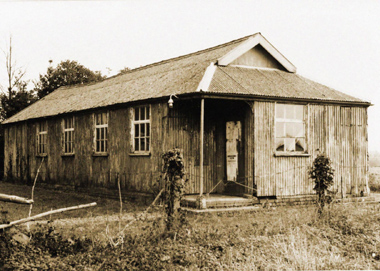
x: 336, y: 43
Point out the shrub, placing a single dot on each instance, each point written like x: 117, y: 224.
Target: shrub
x: 322, y: 173
x: 374, y: 182
x: 174, y: 186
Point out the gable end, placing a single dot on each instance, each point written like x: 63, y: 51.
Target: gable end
x: 248, y: 51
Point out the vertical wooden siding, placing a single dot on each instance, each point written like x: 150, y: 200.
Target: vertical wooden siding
x: 340, y: 132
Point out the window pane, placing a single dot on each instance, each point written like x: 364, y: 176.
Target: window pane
x: 97, y: 133
x: 289, y: 129
x: 137, y: 146
x: 142, y: 144
x: 280, y: 144
x: 42, y: 126
x: 280, y: 129
x: 299, y: 112
x: 97, y: 119
x: 106, y: 146
x: 142, y: 112
x: 289, y: 111
x: 300, y: 144
x: 147, y: 144
x: 147, y: 112
x: 137, y: 130
x: 101, y: 133
x: 137, y: 117
x: 290, y: 144
x: 97, y: 146
x: 105, y: 133
x: 280, y: 111
x: 147, y: 129
x: 298, y: 129
x: 142, y: 126
x: 104, y: 118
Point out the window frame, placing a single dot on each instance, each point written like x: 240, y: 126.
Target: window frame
x: 305, y: 122
x: 68, y: 130
x: 148, y: 131
x: 42, y: 134
x: 105, y: 139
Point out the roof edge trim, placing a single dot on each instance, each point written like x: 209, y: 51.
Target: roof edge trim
x: 204, y: 84
x: 249, y: 44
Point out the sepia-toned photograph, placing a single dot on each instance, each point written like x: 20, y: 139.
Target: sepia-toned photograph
x: 189, y: 135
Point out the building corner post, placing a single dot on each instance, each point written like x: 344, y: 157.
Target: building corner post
x: 201, y: 147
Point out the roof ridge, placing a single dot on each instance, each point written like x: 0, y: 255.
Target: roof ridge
x: 165, y: 61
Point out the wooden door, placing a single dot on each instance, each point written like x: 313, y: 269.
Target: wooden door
x: 233, y: 139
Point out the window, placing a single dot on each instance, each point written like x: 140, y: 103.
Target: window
x: 290, y: 128
x: 141, y: 129
x: 68, y: 135
x: 42, y: 138
x: 101, y: 132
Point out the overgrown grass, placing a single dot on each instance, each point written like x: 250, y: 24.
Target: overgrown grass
x: 47, y: 199
x: 344, y: 237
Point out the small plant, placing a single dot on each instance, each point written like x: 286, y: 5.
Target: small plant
x: 174, y: 186
x: 322, y: 173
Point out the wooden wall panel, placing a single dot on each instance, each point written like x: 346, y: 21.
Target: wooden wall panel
x: 340, y: 132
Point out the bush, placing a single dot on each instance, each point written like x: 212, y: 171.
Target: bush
x: 374, y: 182
x: 322, y: 173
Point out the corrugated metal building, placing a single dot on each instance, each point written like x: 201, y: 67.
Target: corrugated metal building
x: 245, y: 121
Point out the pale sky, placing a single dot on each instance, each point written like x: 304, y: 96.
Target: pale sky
x: 336, y: 43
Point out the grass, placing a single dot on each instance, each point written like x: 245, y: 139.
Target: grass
x: 46, y: 199
x: 345, y: 237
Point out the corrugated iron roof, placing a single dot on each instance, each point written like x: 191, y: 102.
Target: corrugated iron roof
x: 273, y: 83
x: 178, y: 75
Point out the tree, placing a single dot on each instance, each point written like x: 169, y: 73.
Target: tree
x: 18, y: 101
x: 322, y: 173
x: 15, y: 74
x: 16, y: 96
x: 65, y: 74
x: 124, y: 70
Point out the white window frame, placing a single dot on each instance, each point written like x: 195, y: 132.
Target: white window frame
x: 294, y: 120
x: 103, y: 126
x: 66, y: 131
x: 42, y: 135
x: 147, y: 127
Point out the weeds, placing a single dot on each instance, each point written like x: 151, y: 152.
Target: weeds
x: 345, y: 237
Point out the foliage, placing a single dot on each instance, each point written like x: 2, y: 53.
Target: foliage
x: 174, y: 186
x: 124, y: 70
x: 282, y: 238
x: 14, y: 96
x: 65, y: 74
x: 18, y: 101
x: 374, y: 182
x: 322, y: 173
